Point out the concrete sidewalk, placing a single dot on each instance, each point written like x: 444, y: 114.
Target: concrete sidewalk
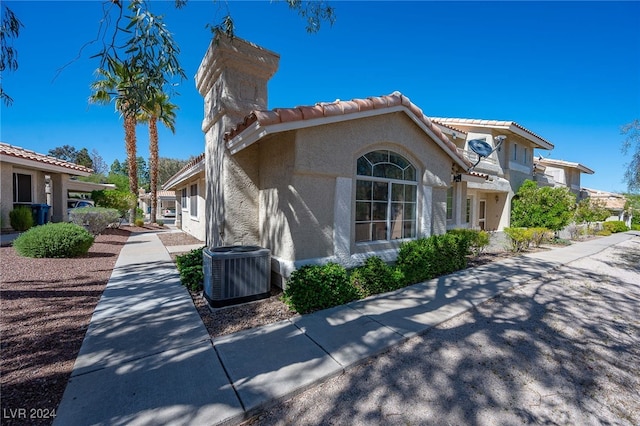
x: 147, y: 357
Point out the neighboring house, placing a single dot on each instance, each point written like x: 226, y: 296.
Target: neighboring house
x: 165, y: 204
x: 487, y: 203
x: 559, y: 173
x: 613, y: 202
x: 188, y: 185
x: 29, y: 178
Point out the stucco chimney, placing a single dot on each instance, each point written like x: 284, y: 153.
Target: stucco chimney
x: 232, y: 78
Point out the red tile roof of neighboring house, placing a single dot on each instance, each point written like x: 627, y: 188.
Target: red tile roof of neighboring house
x: 486, y: 123
x: 342, y: 108
x: 17, y: 152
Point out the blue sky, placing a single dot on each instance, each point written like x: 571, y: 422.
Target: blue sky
x: 568, y: 71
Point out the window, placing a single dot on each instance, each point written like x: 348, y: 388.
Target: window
x: 450, y: 203
x: 468, y: 212
x: 183, y: 198
x: 515, y: 152
x: 386, y: 197
x: 22, y: 188
x: 193, y: 201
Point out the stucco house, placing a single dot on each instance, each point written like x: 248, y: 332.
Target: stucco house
x: 560, y: 173
x: 29, y: 178
x: 488, y: 202
x: 334, y: 181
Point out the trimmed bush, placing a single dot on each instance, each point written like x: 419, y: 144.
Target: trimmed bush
x: 94, y: 219
x: 427, y: 258
x: 615, y: 226
x: 519, y: 238
x: 314, y: 287
x: 21, y: 218
x: 477, y: 240
x: 539, y: 235
x: 139, y: 222
x: 375, y: 277
x: 190, y: 266
x: 54, y: 240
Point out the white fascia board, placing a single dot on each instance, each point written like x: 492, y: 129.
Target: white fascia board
x: 37, y: 165
x: 255, y: 132
x: 542, y: 144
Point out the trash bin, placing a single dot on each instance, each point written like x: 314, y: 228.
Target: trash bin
x: 40, y: 213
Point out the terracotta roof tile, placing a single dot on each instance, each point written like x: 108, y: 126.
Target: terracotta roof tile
x: 338, y: 107
x: 17, y: 152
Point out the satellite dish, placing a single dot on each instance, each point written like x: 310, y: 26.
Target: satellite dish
x: 480, y: 147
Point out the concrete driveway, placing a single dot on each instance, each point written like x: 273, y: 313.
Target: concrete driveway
x: 561, y: 349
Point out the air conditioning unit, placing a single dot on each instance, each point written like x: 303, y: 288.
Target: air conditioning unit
x: 236, y: 274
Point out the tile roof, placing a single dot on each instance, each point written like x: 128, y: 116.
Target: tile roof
x: 486, y: 123
x: 25, y: 154
x: 562, y: 163
x: 342, y: 108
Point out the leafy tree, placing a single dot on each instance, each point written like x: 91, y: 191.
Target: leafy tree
x: 84, y: 159
x: 589, y: 211
x: 9, y: 29
x: 64, y: 152
x: 156, y: 109
x: 117, y: 168
x: 632, y: 142
x: 168, y: 167
x: 546, y: 207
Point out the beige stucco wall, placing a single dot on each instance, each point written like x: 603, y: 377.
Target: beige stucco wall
x: 194, y: 226
x: 58, y: 187
x: 297, y: 181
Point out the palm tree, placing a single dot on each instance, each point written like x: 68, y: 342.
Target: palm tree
x: 157, y: 108
x: 122, y: 85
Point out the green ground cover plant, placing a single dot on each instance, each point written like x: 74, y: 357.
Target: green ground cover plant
x: 54, y: 240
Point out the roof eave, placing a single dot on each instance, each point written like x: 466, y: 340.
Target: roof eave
x: 38, y: 165
x: 255, y: 131
x: 183, y: 176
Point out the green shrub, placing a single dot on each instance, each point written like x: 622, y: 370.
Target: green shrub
x: 94, y: 219
x: 519, y: 238
x: 477, y: 240
x: 54, y: 240
x: 190, y: 267
x: 615, y: 226
x: 314, y: 287
x: 122, y: 201
x: 139, y: 222
x: 21, y: 218
x: 426, y: 258
x: 375, y: 277
x: 540, y: 235
x: 635, y: 227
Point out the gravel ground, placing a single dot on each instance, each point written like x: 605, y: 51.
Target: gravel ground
x: 231, y: 319
x: 564, y: 349
x: 46, y: 308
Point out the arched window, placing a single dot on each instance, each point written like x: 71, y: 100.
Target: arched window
x: 386, y: 200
